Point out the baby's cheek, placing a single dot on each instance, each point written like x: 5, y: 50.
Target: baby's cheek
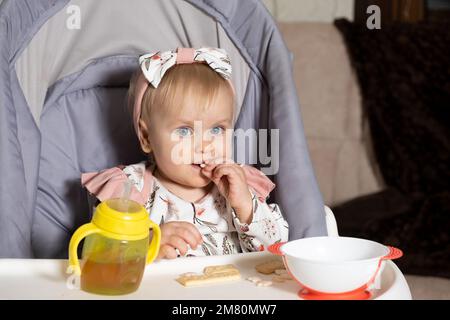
x: 178, y: 153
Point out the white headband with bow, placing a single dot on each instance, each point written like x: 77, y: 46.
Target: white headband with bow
x: 154, y: 65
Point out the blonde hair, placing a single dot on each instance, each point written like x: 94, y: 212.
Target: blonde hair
x: 197, y: 81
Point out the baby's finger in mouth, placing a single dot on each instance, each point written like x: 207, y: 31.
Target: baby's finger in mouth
x: 219, y: 160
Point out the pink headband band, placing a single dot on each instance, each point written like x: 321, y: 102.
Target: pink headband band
x: 139, y: 91
x: 154, y: 66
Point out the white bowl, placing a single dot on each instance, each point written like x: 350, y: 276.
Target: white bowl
x: 334, y: 264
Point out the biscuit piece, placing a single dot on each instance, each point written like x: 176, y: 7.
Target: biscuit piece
x: 211, y: 274
x: 269, y: 267
x: 219, y: 269
x: 254, y: 279
x: 280, y: 271
x: 285, y: 276
x: 189, y: 274
x: 199, y: 280
x: 278, y: 279
x: 264, y: 283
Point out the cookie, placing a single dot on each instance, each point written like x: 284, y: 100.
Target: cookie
x: 211, y: 275
x: 278, y: 279
x: 269, y: 267
x: 254, y: 279
x: 264, y: 283
x: 199, y: 280
x: 285, y: 276
x: 280, y: 271
x: 218, y: 268
x: 189, y: 274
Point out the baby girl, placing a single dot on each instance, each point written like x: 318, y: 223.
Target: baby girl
x: 205, y: 204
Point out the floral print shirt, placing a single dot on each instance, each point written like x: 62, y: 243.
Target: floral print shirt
x: 219, y: 225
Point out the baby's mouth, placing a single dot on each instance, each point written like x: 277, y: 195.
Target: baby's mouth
x: 199, y: 165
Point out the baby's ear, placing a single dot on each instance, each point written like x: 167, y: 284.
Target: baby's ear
x: 144, y: 137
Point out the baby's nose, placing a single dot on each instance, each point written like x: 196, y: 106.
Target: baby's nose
x: 199, y: 155
x: 201, y: 146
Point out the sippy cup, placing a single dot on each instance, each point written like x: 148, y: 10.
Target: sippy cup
x: 116, y: 249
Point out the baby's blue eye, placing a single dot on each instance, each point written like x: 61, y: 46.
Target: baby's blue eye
x: 217, y: 130
x: 184, y: 131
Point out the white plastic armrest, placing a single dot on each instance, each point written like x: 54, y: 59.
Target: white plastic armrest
x: 331, y: 223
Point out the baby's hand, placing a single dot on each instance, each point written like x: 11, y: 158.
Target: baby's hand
x: 229, y: 177
x: 177, y: 235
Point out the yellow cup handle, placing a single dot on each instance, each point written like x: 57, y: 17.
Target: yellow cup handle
x: 82, y: 232
x: 153, y: 249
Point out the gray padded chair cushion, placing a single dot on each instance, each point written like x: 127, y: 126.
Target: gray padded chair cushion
x: 84, y: 129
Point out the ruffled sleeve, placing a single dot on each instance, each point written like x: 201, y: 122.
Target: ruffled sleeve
x: 109, y: 183
x: 258, y: 182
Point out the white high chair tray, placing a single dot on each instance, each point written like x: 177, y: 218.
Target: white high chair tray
x: 46, y: 279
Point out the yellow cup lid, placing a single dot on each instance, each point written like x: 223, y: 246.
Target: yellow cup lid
x: 122, y: 217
